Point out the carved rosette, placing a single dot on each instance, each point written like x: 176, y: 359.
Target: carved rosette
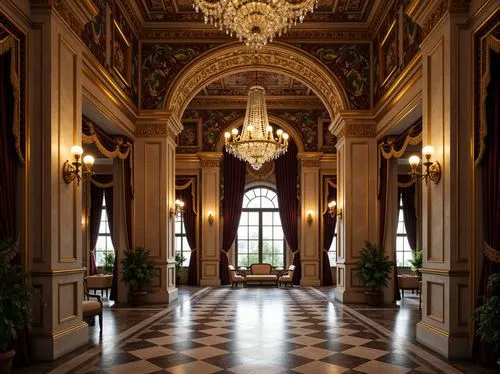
x: 286, y: 60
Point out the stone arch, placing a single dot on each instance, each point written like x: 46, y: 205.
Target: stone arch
x: 273, y: 119
x: 236, y: 57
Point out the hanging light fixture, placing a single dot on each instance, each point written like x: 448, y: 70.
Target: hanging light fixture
x: 256, y: 144
x: 256, y: 22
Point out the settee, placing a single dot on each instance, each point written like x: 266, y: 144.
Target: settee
x: 261, y: 273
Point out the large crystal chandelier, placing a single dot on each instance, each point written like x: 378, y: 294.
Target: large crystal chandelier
x: 254, y: 21
x: 257, y: 143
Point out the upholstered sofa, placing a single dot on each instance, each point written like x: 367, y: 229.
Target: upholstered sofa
x: 408, y: 282
x: 261, y: 273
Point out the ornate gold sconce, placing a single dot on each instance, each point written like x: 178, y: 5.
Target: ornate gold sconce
x: 210, y: 217
x: 331, y: 209
x: 71, y: 171
x: 432, y: 169
x: 178, y: 209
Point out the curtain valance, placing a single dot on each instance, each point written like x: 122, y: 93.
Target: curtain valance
x: 109, y: 145
x: 395, y: 146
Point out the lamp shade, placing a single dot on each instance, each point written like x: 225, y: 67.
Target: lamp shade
x: 76, y: 150
x: 414, y: 161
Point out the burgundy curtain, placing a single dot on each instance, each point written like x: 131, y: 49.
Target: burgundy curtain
x: 186, y: 195
x: 328, y: 234
x: 490, y: 172
x: 8, y: 157
x: 96, y: 194
x: 234, y: 172
x: 286, y: 169
x: 410, y: 214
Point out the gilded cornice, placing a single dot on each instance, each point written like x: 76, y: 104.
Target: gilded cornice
x: 428, y: 13
x: 353, y: 124
x: 210, y: 159
x: 76, y: 13
x: 309, y: 159
x: 151, y: 130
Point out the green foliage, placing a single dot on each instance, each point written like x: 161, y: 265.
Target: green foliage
x: 179, y: 260
x: 138, y: 269
x: 487, y: 316
x: 15, y: 296
x: 374, y: 267
x: 416, y: 262
x: 109, y: 262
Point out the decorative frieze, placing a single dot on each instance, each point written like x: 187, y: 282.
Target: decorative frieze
x: 241, y: 102
x: 310, y: 163
x: 151, y: 130
x: 356, y: 131
x: 210, y: 163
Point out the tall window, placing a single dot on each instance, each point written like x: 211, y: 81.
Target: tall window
x: 260, y: 235
x: 181, y: 243
x: 332, y: 251
x: 104, y: 244
x: 403, y: 250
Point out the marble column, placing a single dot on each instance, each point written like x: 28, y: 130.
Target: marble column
x: 446, y: 207
x: 310, y: 209
x: 210, y: 232
x: 54, y: 208
x: 154, y: 196
x: 357, y: 197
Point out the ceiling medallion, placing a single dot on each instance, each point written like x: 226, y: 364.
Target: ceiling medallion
x: 265, y: 171
x: 256, y: 22
x: 256, y: 144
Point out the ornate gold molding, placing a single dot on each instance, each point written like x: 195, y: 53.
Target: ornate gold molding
x: 310, y: 163
x: 210, y: 163
x: 236, y: 57
x: 151, y: 130
x: 203, y: 102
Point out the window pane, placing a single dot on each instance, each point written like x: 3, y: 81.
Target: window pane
x: 104, y: 216
x: 185, y: 245
x: 242, y: 260
x: 254, y: 203
x: 401, y: 228
x: 243, y: 232
x: 399, y: 259
x: 267, y: 246
x: 401, y: 217
x: 278, y: 260
x: 99, y: 258
x: 242, y: 246
x: 178, y: 243
x: 253, y: 232
x: 245, y: 201
x: 253, y: 246
x: 277, y: 220
x: 253, y: 218
x: 267, y: 218
x: 278, y: 246
x: 278, y: 232
x: 266, y: 203
x: 253, y: 259
x: 400, y: 243
x: 267, y: 232
x: 332, y: 257
x: 244, y: 218
x: 103, y: 228
x: 267, y: 258
x: 101, y: 243
x: 187, y: 255
x: 109, y: 244
x: 177, y: 227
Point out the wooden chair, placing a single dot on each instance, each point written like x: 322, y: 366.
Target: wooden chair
x: 91, y: 308
x: 288, y: 277
x: 235, y: 277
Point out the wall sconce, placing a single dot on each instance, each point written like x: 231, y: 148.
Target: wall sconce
x: 309, y: 217
x: 432, y: 169
x: 331, y: 209
x: 71, y: 171
x: 179, y: 208
x: 210, y: 217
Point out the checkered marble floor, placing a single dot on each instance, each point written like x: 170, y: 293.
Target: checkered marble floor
x: 257, y: 330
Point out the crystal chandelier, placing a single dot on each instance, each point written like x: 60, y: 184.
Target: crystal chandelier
x: 256, y: 144
x: 254, y: 21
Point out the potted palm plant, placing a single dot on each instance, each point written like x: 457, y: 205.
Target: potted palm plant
x: 137, y: 272
x: 109, y: 261
x: 416, y: 262
x: 179, y: 260
x: 487, y: 317
x: 15, y: 302
x: 373, y: 270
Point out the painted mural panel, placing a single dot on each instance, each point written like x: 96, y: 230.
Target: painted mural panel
x: 160, y: 64
x: 350, y: 63
x: 94, y: 33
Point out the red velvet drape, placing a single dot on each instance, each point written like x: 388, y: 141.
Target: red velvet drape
x: 234, y: 172
x: 96, y: 194
x: 8, y: 157
x: 286, y: 169
x: 186, y: 195
x: 490, y: 172
x: 330, y: 224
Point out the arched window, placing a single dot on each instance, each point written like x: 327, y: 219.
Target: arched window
x: 260, y: 236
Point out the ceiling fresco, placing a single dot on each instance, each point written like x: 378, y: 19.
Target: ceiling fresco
x: 237, y: 85
x: 327, y: 10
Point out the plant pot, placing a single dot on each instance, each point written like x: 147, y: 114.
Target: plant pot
x: 137, y: 298
x: 6, y: 361
x: 374, y: 298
